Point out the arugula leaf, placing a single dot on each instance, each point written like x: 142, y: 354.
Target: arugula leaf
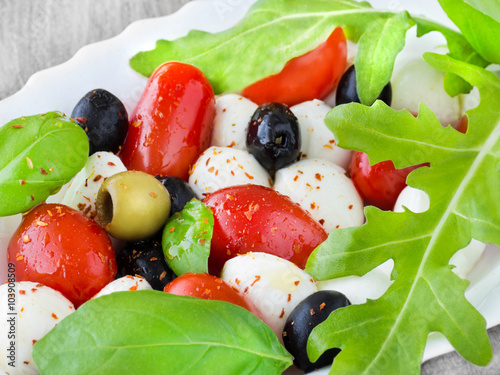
x: 383, y: 38
x: 480, y: 29
x: 489, y: 7
x: 388, y: 335
x: 38, y: 155
x: 186, y: 238
x: 151, y: 332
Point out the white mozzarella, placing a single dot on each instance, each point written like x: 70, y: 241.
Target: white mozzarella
x: 418, y: 82
x: 124, y: 284
x: 82, y: 193
x: 322, y: 189
x: 38, y: 309
x: 464, y: 259
x: 232, y: 116
x: 274, y: 285
x: 318, y: 142
x: 220, y: 167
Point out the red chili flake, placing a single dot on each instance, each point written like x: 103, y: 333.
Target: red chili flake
x: 282, y: 313
x: 337, y: 226
x: 153, y: 194
x: 224, y: 110
x: 322, y: 221
x: 129, y: 276
x: 249, y: 176
x: 328, y: 146
x: 22, y: 292
x: 30, y: 163
x: 136, y: 124
x: 33, y: 290
x: 350, y: 206
x: 43, y: 171
x: 311, y: 311
x: 257, y: 278
x: 205, y: 220
x: 207, y: 293
x: 297, y: 282
x: 81, y: 206
x: 234, y: 288
x: 133, y: 288
x: 232, y: 144
x: 289, y: 297
x: 40, y: 223
x: 296, y: 178
x: 81, y: 120
x: 50, y: 213
x: 211, y: 169
x: 153, y: 259
x: 172, y: 230
x: 39, y: 285
x: 237, y: 281
x: 26, y: 239
x: 313, y: 206
x: 246, y: 290
x: 22, y: 182
x: 22, y: 309
x: 228, y: 160
x: 111, y: 164
x: 232, y: 173
x: 18, y: 126
x: 97, y: 178
x: 322, y: 306
x: 86, y: 182
x: 300, y: 171
x: 163, y: 274
x: 230, y: 197
x: 208, y: 161
x: 201, y: 241
x: 102, y: 258
x: 318, y: 176
x: 54, y: 316
x: 34, y: 341
x: 26, y: 362
x: 32, y: 197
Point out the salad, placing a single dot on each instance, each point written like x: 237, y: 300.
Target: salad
x: 417, y: 270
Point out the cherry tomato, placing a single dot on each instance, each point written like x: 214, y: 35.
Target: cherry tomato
x: 256, y: 218
x: 310, y: 76
x: 463, y: 124
x: 172, y: 123
x: 60, y: 247
x: 380, y: 184
x: 202, y: 285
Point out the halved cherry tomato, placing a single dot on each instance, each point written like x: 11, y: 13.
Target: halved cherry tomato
x: 202, y: 285
x: 310, y: 76
x: 172, y: 123
x: 60, y: 247
x: 379, y: 184
x: 463, y: 124
x: 256, y: 218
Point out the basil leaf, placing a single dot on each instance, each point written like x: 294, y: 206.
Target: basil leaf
x: 382, y: 41
x: 480, y: 29
x: 186, y: 238
x: 151, y: 332
x: 38, y: 154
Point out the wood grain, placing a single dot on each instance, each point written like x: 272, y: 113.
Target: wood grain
x: 38, y: 34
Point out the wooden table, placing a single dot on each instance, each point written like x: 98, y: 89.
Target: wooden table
x: 38, y: 34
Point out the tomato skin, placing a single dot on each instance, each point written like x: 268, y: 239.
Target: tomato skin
x: 172, y: 123
x: 310, y: 76
x: 203, y: 285
x: 60, y: 247
x: 379, y: 184
x: 259, y: 219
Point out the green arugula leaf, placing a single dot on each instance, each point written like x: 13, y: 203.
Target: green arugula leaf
x: 38, y: 155
x: 489, y: 7
x: 151, y: 332
x: 388, y: 335
x: 382, y: 41
x: 480, y: 29
x: 186, y: 238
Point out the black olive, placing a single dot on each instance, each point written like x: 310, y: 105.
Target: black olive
x: 348, y: 93
x: 104, y: 118
x: 308, y: 314
x: 180, y: 192
x: 146, y: 259
x: 273, y: 136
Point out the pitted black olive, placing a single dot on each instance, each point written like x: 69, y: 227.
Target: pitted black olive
x: 179, y: 190
x: 347, y: 91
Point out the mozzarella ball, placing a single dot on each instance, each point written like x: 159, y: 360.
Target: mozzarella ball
x: 274, y: 285
x: 464, y: 259
x: 322, y: 189
x: 38, y: 309
x: 318, y: 142
x: 418, y: 82
x: 82, y: 193
x: 124, y: 284
x: 232, y: 116
x: 220, y: 167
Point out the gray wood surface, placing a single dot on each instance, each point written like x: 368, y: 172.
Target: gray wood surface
x: 37, y: 34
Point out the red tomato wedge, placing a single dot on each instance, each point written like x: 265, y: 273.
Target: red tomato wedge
x: 202, y: 285
x: 60, y: 247
x: 310, y: 76
x: 256, y: 218
x: 172, y: 123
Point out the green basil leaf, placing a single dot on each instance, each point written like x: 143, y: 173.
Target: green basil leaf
x: 151, y: 332
x: 38, y: 154
x: 382, y: 41
x: 480, y: 29
x: 186, y: 238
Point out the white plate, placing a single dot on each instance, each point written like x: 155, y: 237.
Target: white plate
x: 105, y: 65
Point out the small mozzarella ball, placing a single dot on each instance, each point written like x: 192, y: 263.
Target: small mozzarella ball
x: 322, y: 189
x: 317, y: 140
x: 82, y: 193
x: 359, y: 288
x: 464, y: 259
x: 38, y: 309
x: 274, y: 285
x: 418, y: 82
x: 124, y: 284
x: 232, y: 116
x: 220, y: 167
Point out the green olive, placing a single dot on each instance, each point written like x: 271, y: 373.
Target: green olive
x: 132, y: 205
